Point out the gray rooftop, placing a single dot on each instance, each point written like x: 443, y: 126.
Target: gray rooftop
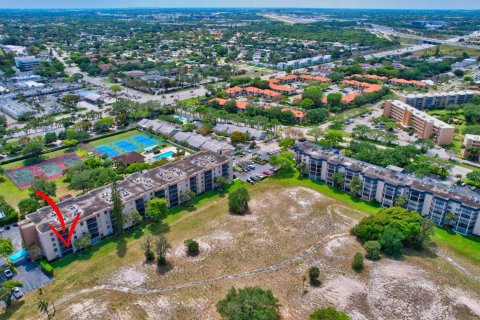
x: 132, y: 187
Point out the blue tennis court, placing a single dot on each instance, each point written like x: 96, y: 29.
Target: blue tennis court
x: 125, y: 145
x: 145, y: 141
x: 107, y: 150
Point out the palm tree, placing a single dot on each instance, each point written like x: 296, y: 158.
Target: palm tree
x: 42, y: 305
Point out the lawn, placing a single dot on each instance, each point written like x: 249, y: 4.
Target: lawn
x: 192, y: 101
x: 466, y: 248
x: 446, y: 49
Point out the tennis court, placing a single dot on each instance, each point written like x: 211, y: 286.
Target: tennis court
x: 126, y: 146
x: 115, y: 146
x: 145, y: 141
x: 110, y: 152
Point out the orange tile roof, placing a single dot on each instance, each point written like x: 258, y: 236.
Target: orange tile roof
x: 314, y: 78
x: 350, y: 97
x: 369, y: 76
x: 297, y: 97
x: 288, y: 77
x: 241, y: 104
x: 220, y: 101
x: 253, y: 90
x: 232, y: 90
x: 271, y: 93
x: 281, y: 88
x: 372, y: 88
x: 273, y: 80
x: 412, y: 82
x: 297, y: 113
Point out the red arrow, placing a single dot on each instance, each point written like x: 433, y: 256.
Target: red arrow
x: 60, y: 218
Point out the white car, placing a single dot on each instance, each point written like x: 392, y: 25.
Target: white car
x: 8, y: 273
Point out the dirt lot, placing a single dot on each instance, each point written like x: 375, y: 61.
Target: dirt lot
x: 287, y: 231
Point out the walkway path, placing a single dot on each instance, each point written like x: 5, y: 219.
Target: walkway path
x: 273, y: 267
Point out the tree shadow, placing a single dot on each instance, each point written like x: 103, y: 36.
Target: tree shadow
x: 164, y: 268
x: 158, y: 228
x: 315, y: 283
x: 121, y: 246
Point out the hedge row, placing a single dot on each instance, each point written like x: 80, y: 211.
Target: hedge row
x: 47, y: 267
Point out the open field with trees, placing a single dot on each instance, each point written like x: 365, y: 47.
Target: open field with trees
x: 288, y: 229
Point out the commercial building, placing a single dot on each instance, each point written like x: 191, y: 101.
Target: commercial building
x: 295, y: 64
x: 434, y: 100
x: 27, y: 63
x: 426, y: 126
x: 429, y: 198
x: 172, y: 181
x: 471, y: 141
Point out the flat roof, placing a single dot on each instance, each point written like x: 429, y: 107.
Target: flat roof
x: 132, y: 187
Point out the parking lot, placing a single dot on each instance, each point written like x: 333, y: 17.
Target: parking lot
x: 13, y: 233
x: 251, y: 171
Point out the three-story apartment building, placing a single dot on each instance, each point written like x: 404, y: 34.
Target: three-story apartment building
x: 426, y: 196
x: 196, y: 173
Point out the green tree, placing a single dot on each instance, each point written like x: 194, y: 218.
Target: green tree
x: 157, y: 208
x: 316, y: 133
x: 191, y: 246
x: 373, y: 249
x: 313, y: 274
x: 357, y: 262
x: 6, y: 247
x: 284, y: 161
x: 338, y: 179
x: 116, y: 89
x: 329, y: 313
x: 400, y: 201
x: 391, y: 241
x: 238, y: 137
x: 307, y: 104
x: 42, y: 305
x: 103, y: 125
x: 6, y: 296
x: 147, y: 246
x: 47, y: 187
x: 356, y: 185
x: 286, y: 144
x: 250, y: 303
x: 28, y: 205
x: 238, y: 200
x: 136, y: 217
x: 334, y: 100
x: 117, y: 209
x: 450, y: 219
x: 50, y: 137
x: 221, y: 182
x: 33, y: 148
x: 315, y: 94
x: 84, y: 242
x: 161, y: 249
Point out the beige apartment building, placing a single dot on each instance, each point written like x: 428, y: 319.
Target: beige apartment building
x: 471, y: 141
x: 426, y: 126
x: 435, y: 100
x: 172, y: 181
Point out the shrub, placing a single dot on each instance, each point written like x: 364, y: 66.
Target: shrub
x: 47, y: 267
x: 238, y: 200
x: 357, y: 262
x: 329, y: 313
x: 313, y: 274
x: 373, y: 250
x: 249, y: 303
x: 192, y: 247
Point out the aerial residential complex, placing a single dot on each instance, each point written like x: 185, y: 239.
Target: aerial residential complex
x: 434, y: 100
x: 384, y: 186
x: 470, y: 142
x: 196, y: 173
x: 425, y: 126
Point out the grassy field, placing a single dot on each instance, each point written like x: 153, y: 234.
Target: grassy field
x: 459, y: 127
x: 13, y: 194
x: 446, y: 49
x: 286, y: 216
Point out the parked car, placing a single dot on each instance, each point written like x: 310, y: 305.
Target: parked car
x: 8, y: 273
x: 266, y: 173
x: 17, y: 293
x: 7, y: 227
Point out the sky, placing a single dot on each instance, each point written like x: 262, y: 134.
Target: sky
x: 380, y: 4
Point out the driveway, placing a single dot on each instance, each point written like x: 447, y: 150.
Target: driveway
x: 31, y: 275
x: 14, y: 234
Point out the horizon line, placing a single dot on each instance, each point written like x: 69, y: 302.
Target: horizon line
x: 235, y: 7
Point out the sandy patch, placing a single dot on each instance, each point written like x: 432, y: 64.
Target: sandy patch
x: 166, y: 308
x: 340, y: 291
x: 335, y: 247
x: 462, y: 298
x: 128, y: 277
x: 88, y: 309
x: 180, y: 252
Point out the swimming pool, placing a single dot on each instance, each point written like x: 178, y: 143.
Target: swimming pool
x: 182, y: 118
x: 163, y: 155
x: 18, y: 255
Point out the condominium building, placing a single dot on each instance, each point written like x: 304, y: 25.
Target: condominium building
x: 426, y: 196
x: 471, y: 141
x: 172, y: 181
x: 434, y: 100
x: 426, y: 126
x: 27, y: 63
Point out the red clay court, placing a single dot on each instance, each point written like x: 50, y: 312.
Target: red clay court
x: 51, y: 169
